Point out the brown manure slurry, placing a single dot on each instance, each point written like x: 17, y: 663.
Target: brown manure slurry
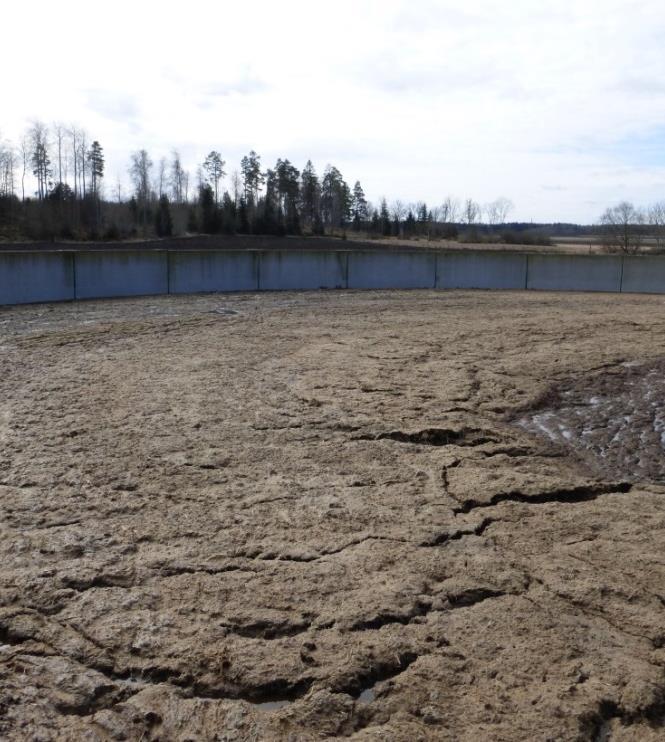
x: 300, y: 516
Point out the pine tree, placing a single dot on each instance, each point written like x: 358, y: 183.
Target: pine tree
x: 359, y: 206
x: 310, y: 197
x: 288, y: 192
x: 335, y: 198
x: 252, y: 177
x: 213, y: 165
x: 41, y: 163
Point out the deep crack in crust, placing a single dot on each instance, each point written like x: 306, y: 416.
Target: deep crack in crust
x: 332, y: 530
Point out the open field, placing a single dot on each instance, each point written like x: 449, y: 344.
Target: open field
x: 589, y: 245
x: 255, y: 242
x: 378, y: 515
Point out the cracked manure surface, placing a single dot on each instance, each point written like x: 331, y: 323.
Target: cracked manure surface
x: 332, y: 515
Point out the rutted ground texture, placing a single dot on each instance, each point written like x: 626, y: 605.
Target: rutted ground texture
x: 308, y: 516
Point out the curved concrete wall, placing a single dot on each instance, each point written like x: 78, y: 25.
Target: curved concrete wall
x: 60, y: 276
x: 643, y: 274
x: 105, y: 274
x: 391, y: 270
x: 281, y: 270
x: 36, y: 276
x: 481, y: 270
x: 574, y: 272
x: 193, y: 272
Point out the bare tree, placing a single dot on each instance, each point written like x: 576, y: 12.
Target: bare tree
x: 160, y: 182
x: 470, y: 212
x: 74, y: 149
x: 139, y: 171
x: 497, y: 211
x: 24, y: 149
x: 7, y: 169
x: 83, y: 159
x: 59, y: 132
x: 656, y: 219
x: 449, y: 210
x: 398, y: 210
x: 176, y: 178
x: 236, y: 184
x: 622, y: 228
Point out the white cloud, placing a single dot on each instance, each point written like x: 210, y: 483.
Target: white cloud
x: 417, y: 99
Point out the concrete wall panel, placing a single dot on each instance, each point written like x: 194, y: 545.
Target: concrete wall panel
x: 478, y: 270
x: 36, y: 276
x: 574, y: 272
x: 644, y: 274
x: 194, y: 272
x: 302, y: 270
x: 391, y: 270
x: 105, y: 274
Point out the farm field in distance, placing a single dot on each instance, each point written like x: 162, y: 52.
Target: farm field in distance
x: 380, y: 515
x: 352, y: 242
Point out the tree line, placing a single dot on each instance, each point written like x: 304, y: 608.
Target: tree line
x: 53, y: 185
x: 627, y: 228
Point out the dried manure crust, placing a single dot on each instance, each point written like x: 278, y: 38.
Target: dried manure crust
x: 376, y: 516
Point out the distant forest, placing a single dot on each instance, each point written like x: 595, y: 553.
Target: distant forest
x: 53, y: 186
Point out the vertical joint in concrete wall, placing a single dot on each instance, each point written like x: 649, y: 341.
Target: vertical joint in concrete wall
x: 623, y: 257
x: 436, y: 268
x: 168, y: 272
x: 526, y: 272
x: 346, y: 270
x: 74, y: 274
x: 259, y: 258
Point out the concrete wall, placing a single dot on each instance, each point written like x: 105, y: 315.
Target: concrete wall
x: 391, y: 270
x: 481, y: 270
x: 193, y: 272
x: 303, y: 270
x: 574, y: 272
x: 100, y: 274
x: 33, y: 276
x: 644, y: 274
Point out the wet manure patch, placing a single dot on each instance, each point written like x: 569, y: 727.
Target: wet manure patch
x: 614, y: 421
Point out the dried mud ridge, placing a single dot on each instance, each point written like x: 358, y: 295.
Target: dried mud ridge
x: 300, y: 523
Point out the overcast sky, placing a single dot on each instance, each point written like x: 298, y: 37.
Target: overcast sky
x: 558, y: 105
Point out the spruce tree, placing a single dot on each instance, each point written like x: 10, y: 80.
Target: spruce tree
x: 163, y: 221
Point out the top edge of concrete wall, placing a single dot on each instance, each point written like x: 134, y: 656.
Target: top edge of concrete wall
x: 355, y: 247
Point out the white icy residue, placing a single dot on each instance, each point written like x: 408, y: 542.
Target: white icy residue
x: 659, y: 427
x: 616, y: 438
x: 565, y: 432
x: 540, y: 421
